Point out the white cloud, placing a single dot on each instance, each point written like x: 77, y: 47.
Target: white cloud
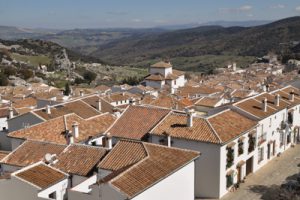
x: 137, y: 20
x: 250, y: 15
x: 298, y: 9
x: 245, y: 8
x: 278, y: 6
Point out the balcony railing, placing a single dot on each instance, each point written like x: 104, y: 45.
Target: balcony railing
x: 262, y: 138
x: 283, y: 125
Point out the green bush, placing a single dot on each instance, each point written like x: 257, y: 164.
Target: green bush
x: 89, y: 76
x: 3, y: 80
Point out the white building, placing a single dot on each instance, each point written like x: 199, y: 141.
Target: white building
x: 223, y: 140
x: 132, y: 170
x: 162, y: 74
x: 37, y: 181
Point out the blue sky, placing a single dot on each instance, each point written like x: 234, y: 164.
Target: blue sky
x: 65, y: 14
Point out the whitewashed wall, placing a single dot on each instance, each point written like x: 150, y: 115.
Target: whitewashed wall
x: 178, y: 186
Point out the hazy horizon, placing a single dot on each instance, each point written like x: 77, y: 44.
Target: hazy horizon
x: 67, y: 14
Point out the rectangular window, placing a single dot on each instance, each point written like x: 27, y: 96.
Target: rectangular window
x: 270, y: 123
x: 229, y: 180
x: 230, y: 157
x: 281, y: 139
x: 52, y: 195
x: 260, y: 154
x: 241, y: 147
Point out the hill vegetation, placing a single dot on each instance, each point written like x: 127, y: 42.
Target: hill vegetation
x: 225, y: 44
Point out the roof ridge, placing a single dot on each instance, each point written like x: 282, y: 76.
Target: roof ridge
x: 214, y: 131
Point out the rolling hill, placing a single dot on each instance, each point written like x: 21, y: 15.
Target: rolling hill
x: 188, y: 44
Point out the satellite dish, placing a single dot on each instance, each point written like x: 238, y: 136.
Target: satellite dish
x: 48, y: 158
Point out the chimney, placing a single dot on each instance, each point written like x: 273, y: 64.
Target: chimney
x: 292, y: 95
x: 277, y: 99
x: 109, y: 139
x: 169, y: 141
x: 99, y: 106
x: 81, y: 93
x: 75, y: 129
x: 48, y: 109
x: 190, y: 115
x: 10, y: 113
x: 265, y: 104
x: 71, y: 139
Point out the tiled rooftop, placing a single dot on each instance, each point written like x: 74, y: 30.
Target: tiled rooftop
x: 31, y: 152
x: 144, y: 171
x: 79, y: 159
x: 41, y: 176
x: 54, y: 130
x: 137, y: 121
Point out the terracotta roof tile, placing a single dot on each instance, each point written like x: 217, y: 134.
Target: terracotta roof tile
x: 175, y: 125
x: 229, y: 125
x: 3, y: 154
x: 79, y: 159
x: 188, y: 91
x: 93, y: 101
x: 137, y: 121
x: 41, y: 176
x: 160, y: 162
x: 208, y: 101
x: 254, y: 107
x: 54, y: 130
x: 31, y: 152
x: 162, y: 64
x: 155, y: 77
x: 78, y: 107
x: 121, y: 156
x: 177, y: 72
x: 27, y: 102
x: 117, y: 97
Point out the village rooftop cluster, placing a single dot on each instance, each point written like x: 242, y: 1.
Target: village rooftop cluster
x: 167, y: 138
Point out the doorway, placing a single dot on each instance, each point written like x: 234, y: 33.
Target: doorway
x: 249, y: 166
x: 269, y: 151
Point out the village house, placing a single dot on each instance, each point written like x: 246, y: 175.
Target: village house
x: 273, y: 134
x: 28, y: 153
x: 65, y: 129
x: 223, y: 140
x: 35, y: 182
x: 162, y: 73
x: 140, y: 164
x: 81, y: 108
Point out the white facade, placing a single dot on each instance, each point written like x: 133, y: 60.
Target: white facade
x: 171, y: 81
x: 163, y: 71
x: 59, y: 190
x: 156, y: 84
x: 177, y: 186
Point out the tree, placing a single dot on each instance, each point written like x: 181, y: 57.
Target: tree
x: 89, y: 76
x: 132, y: 80
x: 67, y: 91
x: 10, y: 71
x: 26, y: 73
x: 3, y: 80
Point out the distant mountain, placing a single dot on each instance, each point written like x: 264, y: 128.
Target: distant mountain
x: 249, y: 23
x: 204, y: 40
x: 81, y: 40
x: 236, y: 23
x: 14, y: 33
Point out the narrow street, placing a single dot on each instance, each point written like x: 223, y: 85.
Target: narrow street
x: 274, y: 173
